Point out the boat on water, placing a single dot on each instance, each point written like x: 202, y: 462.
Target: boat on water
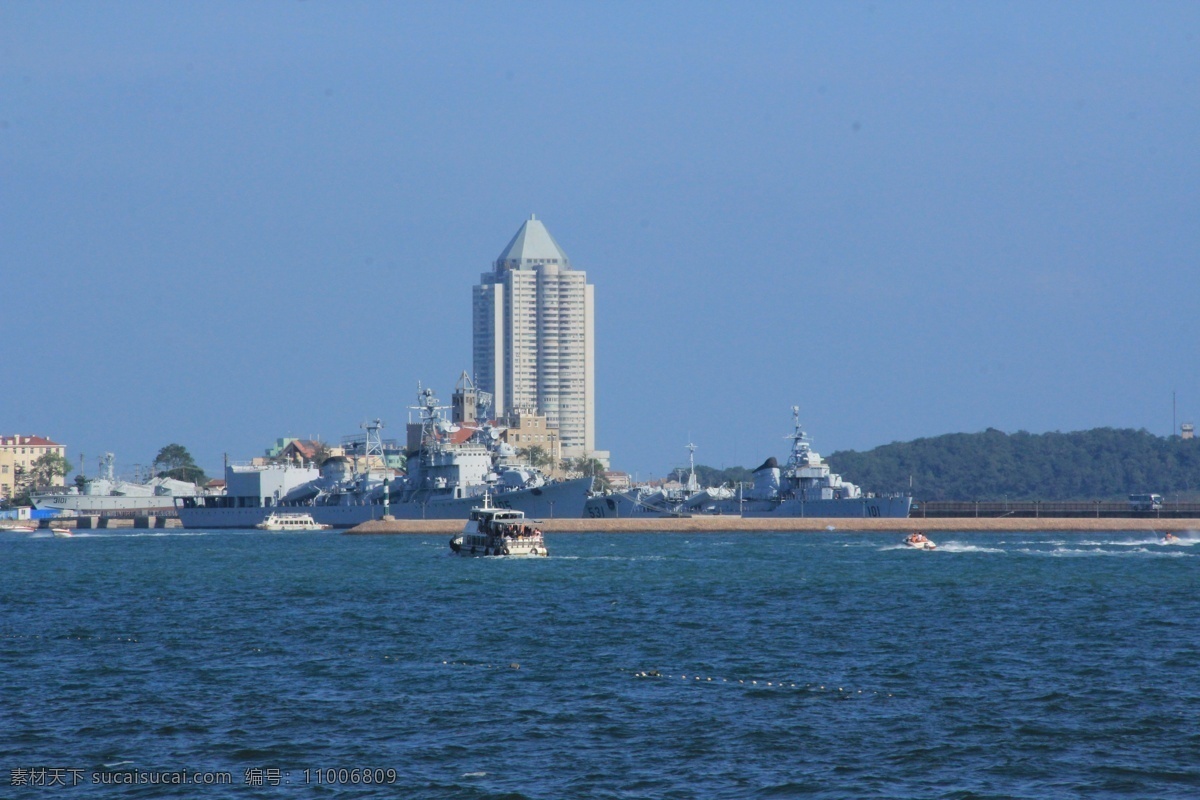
x: 106, y: 494
x: 20, y: 529
x: 453, y: 466
x: 491, y: 531
x: 686, y: 500
x: 1170, y: 538
x: 282, y: 521
x: 62, y: 533
x: 919, y: 541
x: 806, y: 487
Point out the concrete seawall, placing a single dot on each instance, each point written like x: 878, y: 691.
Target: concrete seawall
x: 812, y: 524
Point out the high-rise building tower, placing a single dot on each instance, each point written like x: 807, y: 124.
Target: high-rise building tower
x: 534, y: 337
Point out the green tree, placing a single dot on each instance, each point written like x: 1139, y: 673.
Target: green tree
x: 323, y: 453
x: 732, y: 476
x: 590, y: 467
x: 535, y: 455
x: 21, y: 482
x: 1097, y: 464
x: 174, y: 461
x: 46, y: 468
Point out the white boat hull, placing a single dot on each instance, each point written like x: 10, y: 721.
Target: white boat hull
x: 88, y: 504
x: 510, y: 550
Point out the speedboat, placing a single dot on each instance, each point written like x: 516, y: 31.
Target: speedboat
x: 62, y: 533
x: 492, y: 531
x: 919, y: 541
x: 21, y: 529
x: 278, y: 521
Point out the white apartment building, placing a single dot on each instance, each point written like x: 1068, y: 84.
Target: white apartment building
x: 534, y: 338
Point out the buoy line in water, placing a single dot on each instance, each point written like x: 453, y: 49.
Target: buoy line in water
x: 481, y: 665
x: 839, y: 691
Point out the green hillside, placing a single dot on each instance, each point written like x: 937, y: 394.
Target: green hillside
x: 1099, y: 464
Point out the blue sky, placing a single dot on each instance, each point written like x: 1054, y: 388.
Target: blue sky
x: 221, y: 223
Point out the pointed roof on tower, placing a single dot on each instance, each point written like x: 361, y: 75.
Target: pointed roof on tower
x: 532, y: 245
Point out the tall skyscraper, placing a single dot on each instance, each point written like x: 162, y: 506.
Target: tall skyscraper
x: 534, y: 337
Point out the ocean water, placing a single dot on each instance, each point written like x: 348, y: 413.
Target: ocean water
x: 724, y: 665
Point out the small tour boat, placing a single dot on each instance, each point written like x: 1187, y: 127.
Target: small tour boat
x: 62, y: 533
x: 492, y: 531
x: 21, y: 529
x: 279, y: 521
x: 920, y: 541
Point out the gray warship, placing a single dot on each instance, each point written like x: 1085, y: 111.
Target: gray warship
x: 687, y: 499
x: 805, y: 487
x: 455, y: 464
x: 107, y: 494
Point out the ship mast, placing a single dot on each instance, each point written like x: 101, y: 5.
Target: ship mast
x: 692, y: 484
x: 799, y: 455
x: 374, y: 446
x: 432, y: 422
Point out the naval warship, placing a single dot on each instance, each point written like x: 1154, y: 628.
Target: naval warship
x: 106, y: 494
x: 805, y: 487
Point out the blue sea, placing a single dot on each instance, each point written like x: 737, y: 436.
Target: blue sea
x: 719, y: 665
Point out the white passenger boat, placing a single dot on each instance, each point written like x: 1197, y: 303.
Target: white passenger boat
x: 279, y: 521
x: 20, y: 529
x: 920, y: 541
x: 492, y: 531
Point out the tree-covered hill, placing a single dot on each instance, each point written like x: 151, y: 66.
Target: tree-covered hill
x: 1099, y: 464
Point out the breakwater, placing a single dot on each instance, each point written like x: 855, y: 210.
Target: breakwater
x: 799, y: 524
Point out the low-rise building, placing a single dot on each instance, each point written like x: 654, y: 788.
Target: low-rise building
x: 618, y: 481
x: 525, y: 430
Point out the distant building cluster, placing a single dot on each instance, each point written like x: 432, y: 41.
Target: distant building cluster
x: 523, y: 428
x: 533, y: 355
x: 353, y: 448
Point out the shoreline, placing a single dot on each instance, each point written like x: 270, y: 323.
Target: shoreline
x: 713, y: 524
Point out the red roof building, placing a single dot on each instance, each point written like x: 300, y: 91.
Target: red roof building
x: 17, y: 454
